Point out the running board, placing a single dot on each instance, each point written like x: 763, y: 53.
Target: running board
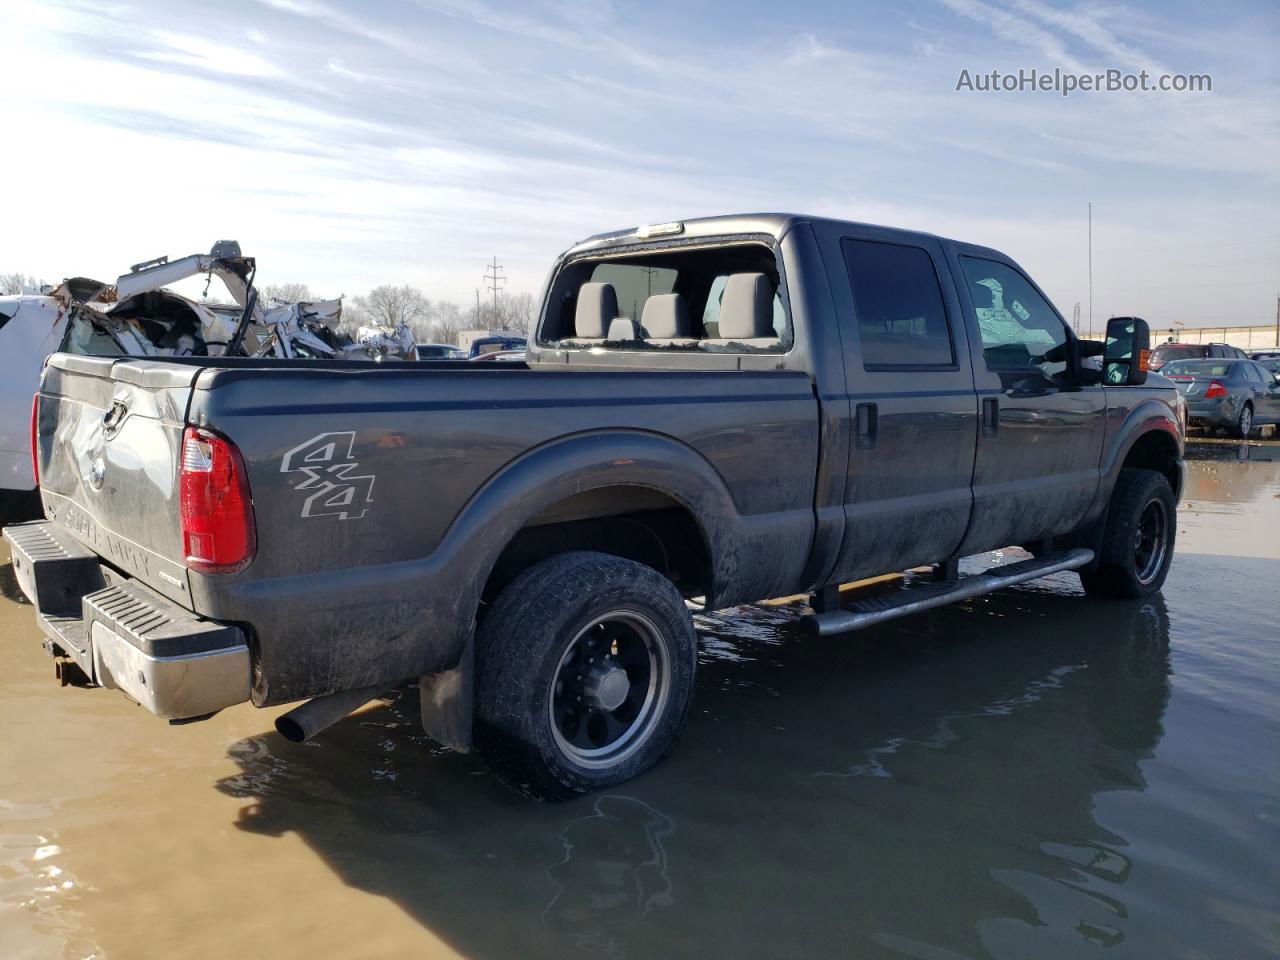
x: 929, y: 594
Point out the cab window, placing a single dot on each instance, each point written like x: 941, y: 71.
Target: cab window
x: 897, y: 303
x: 1021, y: 333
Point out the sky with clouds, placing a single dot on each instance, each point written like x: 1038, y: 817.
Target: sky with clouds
x: 348, y: 145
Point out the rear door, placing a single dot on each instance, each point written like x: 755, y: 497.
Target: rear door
x: 911, y: 402
x: 1040, y: 442
x: 108, y: 433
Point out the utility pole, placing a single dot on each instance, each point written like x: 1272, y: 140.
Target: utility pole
x: 1091, y: 269
x: 649, y: 272
x: 494, y: 279
x: 1075, y: 317
x: 477, y: 308
x: 1278, y: 321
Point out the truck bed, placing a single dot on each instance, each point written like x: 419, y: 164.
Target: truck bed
x: 383, y: 492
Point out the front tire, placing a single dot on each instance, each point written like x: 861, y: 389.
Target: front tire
x: 1137, y: 544
x: 585, y: 666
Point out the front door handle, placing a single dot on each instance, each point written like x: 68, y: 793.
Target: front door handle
x: 868, y: 418
x: 990, y: 417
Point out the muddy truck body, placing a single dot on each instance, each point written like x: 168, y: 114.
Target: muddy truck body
x: 711, y: 413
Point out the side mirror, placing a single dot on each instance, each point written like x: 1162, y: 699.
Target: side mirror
x: 1128, y: 352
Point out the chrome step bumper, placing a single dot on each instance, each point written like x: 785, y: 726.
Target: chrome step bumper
x: 122, y: 634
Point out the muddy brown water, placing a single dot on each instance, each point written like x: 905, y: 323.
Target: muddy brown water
x: 1029, y: 775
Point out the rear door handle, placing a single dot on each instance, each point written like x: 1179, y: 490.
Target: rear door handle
x: 990, y: 417
x: 868, y: 417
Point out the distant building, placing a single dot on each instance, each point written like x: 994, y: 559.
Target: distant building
x: 1256, y: 337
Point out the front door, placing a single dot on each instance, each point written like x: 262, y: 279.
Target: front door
x: 1266, y: 393
x: 1040, y: 439
x: 911, y: 403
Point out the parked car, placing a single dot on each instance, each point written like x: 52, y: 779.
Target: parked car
x: 1270, y: 363
x: 1166, y: 352
x: 440, y: 351
x: 484, y: 345
x: 1265, y: 355
x: 506, y: 356
x: 1233, y: 395
x: 800, y: 403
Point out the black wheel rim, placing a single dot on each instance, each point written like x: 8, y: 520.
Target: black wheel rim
x: 1150, y: 540
x: 609, y: 689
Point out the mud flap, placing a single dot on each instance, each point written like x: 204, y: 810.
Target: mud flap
x: 448, y: 701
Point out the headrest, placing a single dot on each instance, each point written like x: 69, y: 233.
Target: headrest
x: 623, y: 328
x: 597, y: 305
x: 746, y: 309
x: 666, y: 316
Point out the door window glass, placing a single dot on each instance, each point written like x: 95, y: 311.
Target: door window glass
x: 1021, y: 333
x: 898, y: 304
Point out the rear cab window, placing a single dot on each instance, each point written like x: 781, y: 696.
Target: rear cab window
x: 708, y: 295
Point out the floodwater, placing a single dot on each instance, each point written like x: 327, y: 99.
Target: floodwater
x: 1030, y: 775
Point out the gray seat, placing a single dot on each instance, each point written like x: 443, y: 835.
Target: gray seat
x: 623, y: 328
x: 596, y: 309
x: 746, y: 312
x: 665, y: 321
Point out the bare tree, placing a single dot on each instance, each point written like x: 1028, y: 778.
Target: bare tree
x: 448, y: 320
x: 11, y: 283
x: 520, y: 311
x: 392, y: 306
x: 515, y: 312
x: 285, y: 292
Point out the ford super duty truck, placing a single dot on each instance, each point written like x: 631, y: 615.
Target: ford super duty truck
x: 711, y: 412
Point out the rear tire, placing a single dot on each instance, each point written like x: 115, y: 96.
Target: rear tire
x: 585, y: 666
x: 1137, y: 544
x: 1244, y: 425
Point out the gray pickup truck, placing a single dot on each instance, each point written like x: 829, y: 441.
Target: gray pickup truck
x: 711, y: 412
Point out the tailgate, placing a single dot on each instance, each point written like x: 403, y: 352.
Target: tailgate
x: 109, y: 431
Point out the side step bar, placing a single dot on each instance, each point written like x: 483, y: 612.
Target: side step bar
x: 929, y: 594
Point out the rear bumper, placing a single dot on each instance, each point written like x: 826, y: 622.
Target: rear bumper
x: 1219, y: 412
x: 124, y: 635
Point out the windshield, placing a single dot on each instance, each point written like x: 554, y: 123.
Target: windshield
x: 1198, y: 368
x: 1167, y: 352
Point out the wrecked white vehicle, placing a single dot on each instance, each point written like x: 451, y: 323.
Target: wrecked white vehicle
x: 31, y: 327
x: 139, y: 316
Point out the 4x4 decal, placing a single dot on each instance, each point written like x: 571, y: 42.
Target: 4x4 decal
x: 327, y: 464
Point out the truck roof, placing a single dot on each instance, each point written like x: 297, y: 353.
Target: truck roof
x: 773, y: 224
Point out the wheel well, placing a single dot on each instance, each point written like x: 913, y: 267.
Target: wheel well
x: 638, y: 523
x: 1155, y: 450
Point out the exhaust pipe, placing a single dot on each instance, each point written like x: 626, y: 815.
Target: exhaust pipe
x: 304, y: 722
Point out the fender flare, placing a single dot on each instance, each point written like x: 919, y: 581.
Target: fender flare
x: 526, y: 486
x: 1150, y: 415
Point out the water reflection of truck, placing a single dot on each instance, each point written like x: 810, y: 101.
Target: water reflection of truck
x: 902, y: 796
x: 801, y: 403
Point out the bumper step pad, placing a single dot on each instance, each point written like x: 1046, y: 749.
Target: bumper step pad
x: 53, y: 568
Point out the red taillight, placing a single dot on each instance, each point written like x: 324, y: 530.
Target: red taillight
x: 35, y: 437
x: 1215, y: 389
x: 217, y: 512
